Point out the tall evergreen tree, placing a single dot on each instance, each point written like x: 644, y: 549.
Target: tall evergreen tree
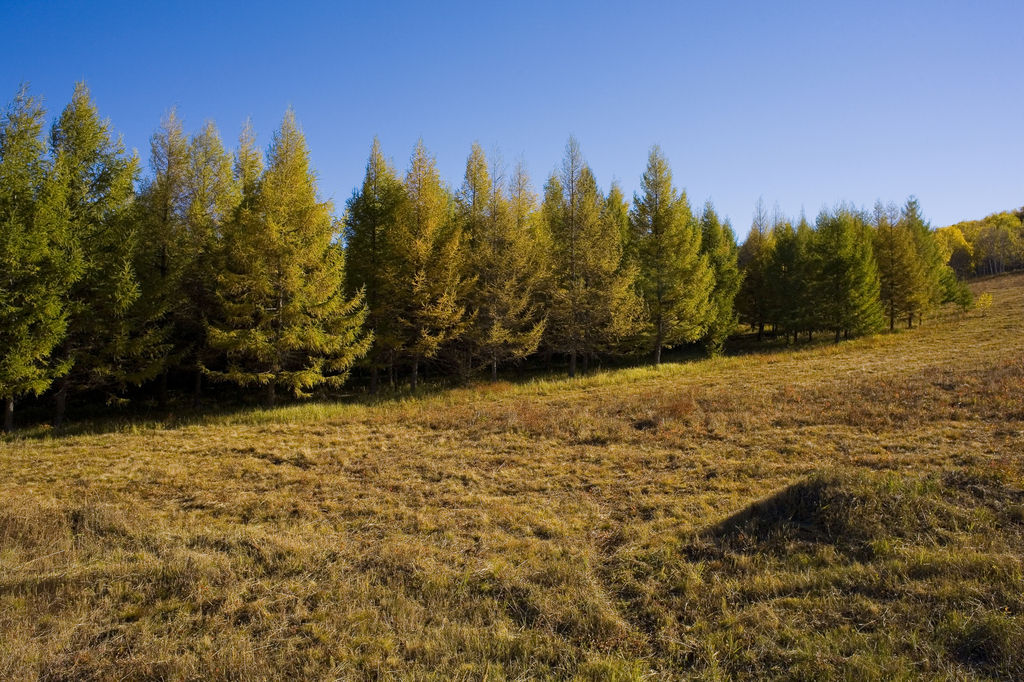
x: 753, y: 301
x: 529, y: 215
x: 472, y: 211
x: 718, y: 243
x: 286, y: 320
x: 790, y: 276
x: 211, y: 196
x: 163, y: 252
x: 929, y: 293
x: 110, y: 340
x: 901, y: 272
x: 675, y: 280
x: 431, y: 257
x: 371, y: 242
x: 810, y: 270
x: 35, y: 269
x: 592, y: 300
x: 847, y: 288
x: 507, y: 324
x: 625, y: 310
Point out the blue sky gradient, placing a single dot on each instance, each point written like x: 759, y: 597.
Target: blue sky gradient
x: 801, y: 103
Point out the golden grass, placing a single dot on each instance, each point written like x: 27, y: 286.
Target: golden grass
x: 850, y: 511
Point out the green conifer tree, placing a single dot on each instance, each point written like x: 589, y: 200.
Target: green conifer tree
x: 847, y: 288
x: 753, y: 301
x: 472, y: 214
x: 901, y: 271
x: 286, y: 319
x: 718, y: 243
x: 507, y: 324
x: 625, y: 305
x: 529, y: 215
x: 163, y: 252
x: 35, y: 268
x: 371, y: 242
x: 592, y: 299
x: 431, y: 252
x: 788, y: 276
x: 211, y: 197
x: 675, y: 280
x: 810, y: 268
x: 929, y: 292
x: 111, y: 340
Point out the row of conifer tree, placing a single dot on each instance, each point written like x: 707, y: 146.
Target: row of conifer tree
x: 230, y: 267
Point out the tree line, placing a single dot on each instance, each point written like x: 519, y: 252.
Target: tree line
x: 228, y: 266
x: 852, y: 272
x: 989, y: 246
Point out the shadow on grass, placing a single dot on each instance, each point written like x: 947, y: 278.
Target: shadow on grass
x: 854, y: 510
x: 94, y: 415
x: 938, y: 554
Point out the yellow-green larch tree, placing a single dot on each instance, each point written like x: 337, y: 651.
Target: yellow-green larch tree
x: 373, y: 254
x: 286, y: 319
x: 676, y: 281
x: 430, y: 258
x: 36, y: 268
x: 503, y: 257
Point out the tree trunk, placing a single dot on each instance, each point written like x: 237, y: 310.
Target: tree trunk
x: 391, y: 369
x: 415, y: 374
x: 547, y: 359
x: 9, y: 415
x: 61, y: 399
x: 494, y: 368
x: 659, y: 336
x: 838, y: 334
x: 197, y: 390
x: 373, y: 380
x: 586, y: 361
x: 572, y: 363
x: 271, y: 393
x: 760, y: 331
x: 892, y: 317
x: 162, y: 395
x: 796, y: 337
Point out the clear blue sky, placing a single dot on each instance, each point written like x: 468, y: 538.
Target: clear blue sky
x: 801, y: 103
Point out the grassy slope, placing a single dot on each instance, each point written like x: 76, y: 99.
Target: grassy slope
x: 838, y: 512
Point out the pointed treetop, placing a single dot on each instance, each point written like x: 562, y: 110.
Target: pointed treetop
x: 475, y: 192
x: 248, y: 159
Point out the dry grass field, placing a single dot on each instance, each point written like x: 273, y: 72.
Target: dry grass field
x: 829, y: 512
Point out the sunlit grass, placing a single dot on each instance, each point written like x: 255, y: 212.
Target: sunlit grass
x: 850, y: 511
